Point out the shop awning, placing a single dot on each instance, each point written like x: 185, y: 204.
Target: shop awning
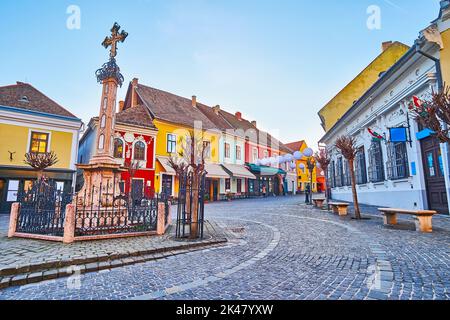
x: 216, y: 171
x: 238, y: 171
x: 265, y: 171
x: 165, y: 164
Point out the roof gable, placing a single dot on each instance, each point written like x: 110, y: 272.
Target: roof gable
x: 137, y: 116
x: 172, y: 108
x: 25, y: 96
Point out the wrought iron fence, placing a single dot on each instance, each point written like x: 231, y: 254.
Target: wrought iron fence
x: 42, y: 209
x: 190, y: 213
x: 100, y: 211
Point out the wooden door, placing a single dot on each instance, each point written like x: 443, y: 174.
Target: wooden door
x: 434, y: 175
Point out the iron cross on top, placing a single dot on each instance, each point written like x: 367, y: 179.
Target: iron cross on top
x: 115, y: 37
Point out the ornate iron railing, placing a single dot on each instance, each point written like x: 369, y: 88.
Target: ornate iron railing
x: 100, y: 212
x: 42, y: 209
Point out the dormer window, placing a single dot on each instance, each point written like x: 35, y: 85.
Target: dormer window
x: 24, y: 99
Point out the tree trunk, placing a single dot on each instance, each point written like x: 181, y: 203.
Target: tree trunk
x: 195, y: 200
x: 355, y: 194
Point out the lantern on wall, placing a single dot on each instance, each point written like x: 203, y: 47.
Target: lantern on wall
x: 302, y: 166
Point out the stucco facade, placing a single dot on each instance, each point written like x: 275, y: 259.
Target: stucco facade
x: 342, y: 102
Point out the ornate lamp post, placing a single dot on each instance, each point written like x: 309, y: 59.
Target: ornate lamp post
x: 311, y: 165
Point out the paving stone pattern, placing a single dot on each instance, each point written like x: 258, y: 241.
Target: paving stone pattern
x: 279, y: 248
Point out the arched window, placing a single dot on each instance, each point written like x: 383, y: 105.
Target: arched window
x: 101, y: 142
x: 139, y: 151
x: 118, y: 148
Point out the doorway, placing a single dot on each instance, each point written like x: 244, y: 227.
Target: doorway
x: 167, y: 182
x: 434, y: 175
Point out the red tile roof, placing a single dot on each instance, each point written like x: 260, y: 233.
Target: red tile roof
x: 25, y: 96
x: 296, y: 146
x: 170, y: 107
x: 137, y: 116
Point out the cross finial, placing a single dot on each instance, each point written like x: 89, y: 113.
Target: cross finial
x: 115, y: 37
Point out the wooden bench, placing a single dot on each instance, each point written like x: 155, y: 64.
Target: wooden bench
x: 318, y: 203
x: 340, y: 208
x: 423, y: 218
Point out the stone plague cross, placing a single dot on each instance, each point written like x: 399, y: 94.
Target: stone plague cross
x: 115, y: 37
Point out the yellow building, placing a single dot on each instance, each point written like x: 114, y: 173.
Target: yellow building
x: 342, y: 102
x: 443, y: 24
x: 32, y: 122
x: 177, y: 118
x: 303, y: 174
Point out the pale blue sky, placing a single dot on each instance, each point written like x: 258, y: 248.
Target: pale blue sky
x: 278, y: 62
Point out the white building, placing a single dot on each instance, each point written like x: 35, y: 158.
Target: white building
x: 410, y: 174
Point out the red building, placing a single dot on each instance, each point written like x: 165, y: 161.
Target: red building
x: 134, y: 148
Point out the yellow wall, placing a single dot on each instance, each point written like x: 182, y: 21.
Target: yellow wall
x: 303, y: 176
x: 181, y: 132
x: 342, y: 102
x: 15, y: 139
x: 445, y: 57
x: 165, y: 128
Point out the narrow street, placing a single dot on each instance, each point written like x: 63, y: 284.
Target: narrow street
x: 279, y: 249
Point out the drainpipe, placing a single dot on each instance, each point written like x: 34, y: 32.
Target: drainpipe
x: 437, y: 63
x: 444, y: 146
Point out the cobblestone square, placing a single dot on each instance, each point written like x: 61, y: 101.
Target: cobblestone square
x: 278, y: 248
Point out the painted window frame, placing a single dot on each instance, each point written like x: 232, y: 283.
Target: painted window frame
x: 47, y: 141
x: 123, y: 146
x: 134, y: 150
x: 172, y: 143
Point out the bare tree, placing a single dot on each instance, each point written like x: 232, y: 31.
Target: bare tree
x: 191, y: 160
x: 347, y: 147
x: 434, y: 114
x: 324, y: 160
x: 41, y: 161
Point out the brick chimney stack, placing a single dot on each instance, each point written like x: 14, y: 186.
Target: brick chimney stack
x: 216, y: 109
x: 134, y: 97
x: 386, y: 45
x: 238, y: 116
x: 121, y: 105
x: 194, y: 101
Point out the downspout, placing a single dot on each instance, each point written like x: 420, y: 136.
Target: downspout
x: 440, y: 83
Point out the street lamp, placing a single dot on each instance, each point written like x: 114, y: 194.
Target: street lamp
x: 310, y: 164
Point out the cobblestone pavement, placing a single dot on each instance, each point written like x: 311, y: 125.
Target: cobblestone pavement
x: 280, y: 249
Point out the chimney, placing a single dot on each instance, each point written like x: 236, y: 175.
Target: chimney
x: 238, y: 116
x: 254, y: 123
x: 121, y: 105
x: 194, y: 101
x: 134, y: 98
x: 216, y: 109
x: 386, y: 45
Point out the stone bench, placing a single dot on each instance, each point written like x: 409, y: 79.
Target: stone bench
x: 340, y: 208
x: 318, y: 203
x: 423, y: 218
